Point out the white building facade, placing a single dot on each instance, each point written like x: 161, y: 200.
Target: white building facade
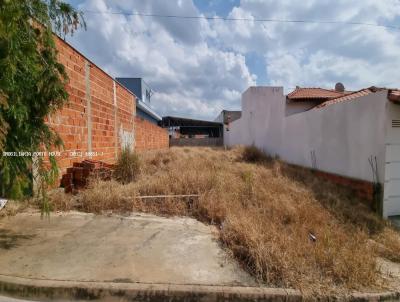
x: 340, y: 136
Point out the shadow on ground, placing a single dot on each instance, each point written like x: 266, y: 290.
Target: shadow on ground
x: 10, y: 239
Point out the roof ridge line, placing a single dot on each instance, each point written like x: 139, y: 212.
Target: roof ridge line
x: 371, y: 89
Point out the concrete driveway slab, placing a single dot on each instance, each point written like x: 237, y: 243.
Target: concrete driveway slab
x: 138, y: 248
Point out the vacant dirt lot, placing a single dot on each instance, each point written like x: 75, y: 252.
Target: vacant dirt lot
x: 283, y: 224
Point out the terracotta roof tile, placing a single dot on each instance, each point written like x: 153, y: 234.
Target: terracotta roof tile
x: 394, y: 95
x: 349, y: 97
x: 333, y: 97
x: 314, y: 93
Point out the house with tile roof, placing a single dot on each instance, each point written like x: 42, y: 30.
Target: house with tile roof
x: 353, y: 136
x: 302, y: 99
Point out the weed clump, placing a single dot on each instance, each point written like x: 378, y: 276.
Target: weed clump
x: 252, y: 154
x: 128, y: 166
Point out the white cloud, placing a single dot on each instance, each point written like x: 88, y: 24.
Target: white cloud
x: 318, y: 54
x: 190, y: 77
x: 197, y: 67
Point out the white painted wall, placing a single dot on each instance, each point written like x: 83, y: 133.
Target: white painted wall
x: 294, y: 107
x: 262, y: 107
x: 343, y: 136
x: 391, y: 198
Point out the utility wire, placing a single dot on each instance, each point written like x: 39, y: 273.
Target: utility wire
x: 244, y: 19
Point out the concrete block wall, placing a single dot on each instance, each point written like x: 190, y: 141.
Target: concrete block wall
x: 149, y: 136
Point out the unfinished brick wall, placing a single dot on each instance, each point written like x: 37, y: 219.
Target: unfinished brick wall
x: 102, y: 119
x: 99, y: 117
x: 149, y: 136
x: 71, y: 122
x: 363, y: 189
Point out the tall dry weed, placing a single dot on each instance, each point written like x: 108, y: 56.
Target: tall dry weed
x: 128, y: 166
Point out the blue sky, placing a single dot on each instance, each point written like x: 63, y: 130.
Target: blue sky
x: 199, y: 67
x: 216, y: 7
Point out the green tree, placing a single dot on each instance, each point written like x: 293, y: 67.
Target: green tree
x: 32, y: 86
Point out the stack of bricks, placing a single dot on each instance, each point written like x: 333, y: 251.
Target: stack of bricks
x: 77, y: 177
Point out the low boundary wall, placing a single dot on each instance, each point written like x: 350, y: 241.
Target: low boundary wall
x: 201, y: 142
x: 149, y: 136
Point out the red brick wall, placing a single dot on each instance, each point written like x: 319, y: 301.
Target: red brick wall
x: 363, y: 189
x: 150, y: 136
x: 124, y: 108
x: 102, y: 114
x: 71, y: 122
x: 111, y: 119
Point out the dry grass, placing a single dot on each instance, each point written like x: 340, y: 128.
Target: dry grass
x: 252, y: 154
x: 13, y: 207
x: 265, y: 212
x: 388, y: 244
x: 127, y: 167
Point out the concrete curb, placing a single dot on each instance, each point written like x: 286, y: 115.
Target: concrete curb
x: 57, y: 290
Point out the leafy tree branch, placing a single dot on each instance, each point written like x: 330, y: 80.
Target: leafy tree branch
x: 32, y: 87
